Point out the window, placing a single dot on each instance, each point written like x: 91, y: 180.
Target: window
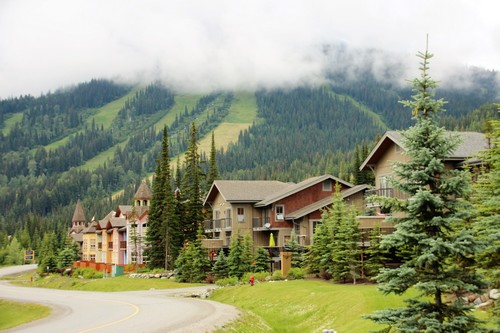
x: 216, y: 214
x: 240, y: 214
x: 280, y: 212
x: 327, y: 185
x: 92, y: 244
x: 92, y: 257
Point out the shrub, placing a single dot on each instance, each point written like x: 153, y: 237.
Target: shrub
x: 277, y: 275
x: 230, y: 281
x: 259, y: 276
x: 88, y: 273
x: 296, y: 273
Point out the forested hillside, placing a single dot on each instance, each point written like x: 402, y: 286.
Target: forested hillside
x: 46, y: 142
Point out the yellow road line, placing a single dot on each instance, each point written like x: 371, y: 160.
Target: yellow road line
x: 116, y: 321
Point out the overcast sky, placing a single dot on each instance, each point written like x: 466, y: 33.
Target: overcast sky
x: 239, y: 44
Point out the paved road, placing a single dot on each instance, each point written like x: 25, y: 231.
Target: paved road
x: 123, y: 312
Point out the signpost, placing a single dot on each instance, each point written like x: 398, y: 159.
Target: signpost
x: 29, y: 254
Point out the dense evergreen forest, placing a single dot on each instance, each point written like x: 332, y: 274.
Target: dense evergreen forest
x: 46, y: 141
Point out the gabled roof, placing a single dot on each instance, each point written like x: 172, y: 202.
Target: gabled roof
x: 91, y: 228
x: 244, y: 191
x: 323, y: 203
x: 470, y: 145
x: 78, y: 215
x: 295, y: 188
x: 102, y: 223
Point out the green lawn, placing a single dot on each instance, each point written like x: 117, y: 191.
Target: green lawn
x: 17, y: 313
x: 305, y: 306
x: 119, y: 283
x: 283, y: 306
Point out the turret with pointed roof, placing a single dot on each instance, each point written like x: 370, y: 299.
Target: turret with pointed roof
x: 78, y: 222
x: 143, y: 195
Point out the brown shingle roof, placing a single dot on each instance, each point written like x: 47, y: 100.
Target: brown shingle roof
x: 143, y: 192
x: 244, y: 190
x: 294, y: 188
x: 78, y: 215
x: 323, y: 203
x: 471, y: 143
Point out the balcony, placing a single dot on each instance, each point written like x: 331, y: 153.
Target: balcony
x: 384, y: 192
x: 217, y: 225
x: 263, y: 223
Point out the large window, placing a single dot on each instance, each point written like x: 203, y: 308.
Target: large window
x: 327, y: 185
x: 280, y: 212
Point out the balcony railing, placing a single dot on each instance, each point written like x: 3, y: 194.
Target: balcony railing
x: 217, y: 225
x: 384, y: 192
x: 258, y: 222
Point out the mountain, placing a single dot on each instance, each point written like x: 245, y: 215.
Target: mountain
x: 100, y: 137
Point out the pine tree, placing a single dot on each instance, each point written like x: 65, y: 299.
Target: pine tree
x: 192, y: 188
x: 68, y: 254
x: 262, y: 260
x: 238, y: 262
x: 375, y: 255
x: 318, y: 256
x: 213, y: 169
x: 156, y: 230
x: 294, y: 247
x: 48, y: 247
x: 486, y: 199
x: 14, y: 253
x: 192, y: 265
x: 345, y: 248
x: 163, y: 231
x: 220, y: 268
x: 432, y: 227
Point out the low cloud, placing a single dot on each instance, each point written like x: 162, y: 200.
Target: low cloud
x: 208, y: 45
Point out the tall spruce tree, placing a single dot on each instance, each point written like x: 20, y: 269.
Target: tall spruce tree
x: 238, y: 260
x: 432, y: 226
x: 162, y: 226
x: 213, y: 169
x: 193, y: 264
x: 192, y: 188
x: 486, y: 199
x: 345, y: 249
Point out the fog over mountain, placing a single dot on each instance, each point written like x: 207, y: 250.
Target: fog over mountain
x: 209, y: 45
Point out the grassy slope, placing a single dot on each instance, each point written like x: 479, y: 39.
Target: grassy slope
x: 308, y: 306
x: 17, y: 313
x: 242, y: 114
x: 285, y: 306
x: 376, y: 119
x: 11, y: 121
x: 103, y: 116
x: 120, y: 283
